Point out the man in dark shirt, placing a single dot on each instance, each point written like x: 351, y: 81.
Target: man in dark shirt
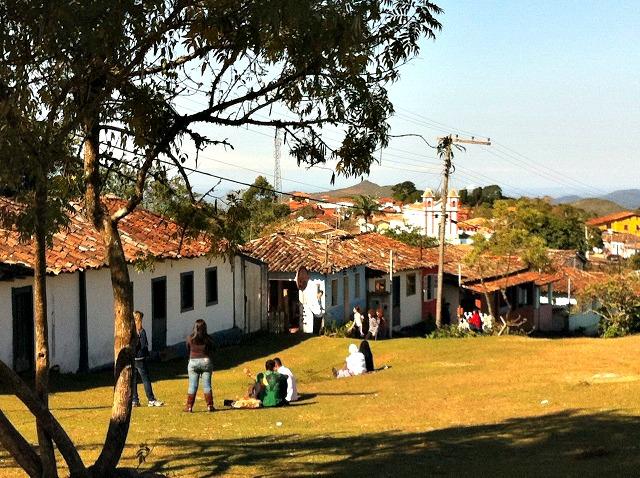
x: 142, y: 352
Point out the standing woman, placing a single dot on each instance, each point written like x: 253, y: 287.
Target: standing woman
x: 200, y: 349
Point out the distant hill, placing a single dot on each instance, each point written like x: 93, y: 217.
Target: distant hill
x: 599, y: 207
x: 566, y: 199
x: 366, y: 188
x: 627, y: 198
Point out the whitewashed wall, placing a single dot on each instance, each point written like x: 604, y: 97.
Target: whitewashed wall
x: 63, y: 318
x: 64, y: 313
x: 410, y: 306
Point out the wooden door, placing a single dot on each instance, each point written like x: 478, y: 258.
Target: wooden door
x: 159, y: 313
x: 23, y: 346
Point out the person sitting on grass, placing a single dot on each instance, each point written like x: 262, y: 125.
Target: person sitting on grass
x: 274, y: 386
x: 365, y: 350
x: 355, y: 364
x: 292, y: 389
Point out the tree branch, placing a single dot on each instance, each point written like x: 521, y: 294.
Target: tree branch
x: 19, y: 448
x: 45, y: 419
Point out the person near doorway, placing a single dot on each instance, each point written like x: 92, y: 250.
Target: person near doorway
x: 292, y: 389
x: 355, y: 364
x: 475, y: 321
x: 357, y: 322
x: 317, y: 310
x: 200, y: 349
x: 374, y: 325
x: 383, y: 325
x: 140, y: 362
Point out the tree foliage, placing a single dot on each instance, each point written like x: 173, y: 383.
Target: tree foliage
x: 406, y: 192
x: 364, y: 206
x: 560, y: 226
x: 262, y: 208
x: 486, y: 195
x: 617, y: 301
x: 412, y: 237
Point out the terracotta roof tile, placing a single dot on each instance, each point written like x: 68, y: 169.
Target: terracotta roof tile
x: 80, y: 247
x: 287, y: 252
x: 616, y: 216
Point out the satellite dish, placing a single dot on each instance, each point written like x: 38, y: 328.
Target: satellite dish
x: 302, y: 278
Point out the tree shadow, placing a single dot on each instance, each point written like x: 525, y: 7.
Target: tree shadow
x: 570, y: 443
x: 250, y: 348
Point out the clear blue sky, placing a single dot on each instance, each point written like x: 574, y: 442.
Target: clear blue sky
x: 555, y: 84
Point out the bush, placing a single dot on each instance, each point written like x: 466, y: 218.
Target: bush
x: 332, y: 329
x: 610, y: 330
x: 451, y: 331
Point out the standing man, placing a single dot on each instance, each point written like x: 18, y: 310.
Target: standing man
x: 142, y: 353
x: 292, y: 389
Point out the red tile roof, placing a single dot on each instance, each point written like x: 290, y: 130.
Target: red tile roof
x: 513, y: 280
x: 78, y: 246
x: 616, y: 216
x: 287, y: 252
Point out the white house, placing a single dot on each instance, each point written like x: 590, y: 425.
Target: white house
x: 179, y: 283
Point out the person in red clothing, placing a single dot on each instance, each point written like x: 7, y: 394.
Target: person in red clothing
x: 475, y: 321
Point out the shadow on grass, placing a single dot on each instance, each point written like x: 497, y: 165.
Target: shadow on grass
x: 567, y: 444
x: 563, y: 444
x: 251, y: 348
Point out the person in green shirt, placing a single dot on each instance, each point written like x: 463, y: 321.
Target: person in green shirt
x: 273, y: 392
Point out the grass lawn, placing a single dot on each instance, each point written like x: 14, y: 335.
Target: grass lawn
x: 492, y: 406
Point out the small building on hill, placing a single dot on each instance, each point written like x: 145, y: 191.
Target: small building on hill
x: 175, y: 281
x: 626, y: 222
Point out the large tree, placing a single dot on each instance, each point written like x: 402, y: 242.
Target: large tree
x: 114, y: 73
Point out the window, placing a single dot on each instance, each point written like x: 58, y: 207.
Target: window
x: 380, y: 285
x: 626, y: 227
x: 411, y: 284
x: 524, y: 296
x: 186, y: 291
x: 211, y: 284
x: 429, y: 286
x: 356, y: 287
x: 334, y: 292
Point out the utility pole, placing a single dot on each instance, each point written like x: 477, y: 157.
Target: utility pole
x: 447, y: 142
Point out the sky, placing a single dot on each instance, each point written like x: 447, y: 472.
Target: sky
x: 554, y: 84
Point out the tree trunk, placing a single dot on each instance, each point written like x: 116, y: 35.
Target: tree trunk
x: 47, y: 455
x: 123, y: 313
x: 487, y: 297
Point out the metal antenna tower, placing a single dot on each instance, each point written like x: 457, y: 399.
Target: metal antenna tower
x: 277, y: 176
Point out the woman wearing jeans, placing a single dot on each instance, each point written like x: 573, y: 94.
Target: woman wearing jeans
x: 200, y: 348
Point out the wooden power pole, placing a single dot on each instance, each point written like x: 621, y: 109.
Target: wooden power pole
x: 444, y: 196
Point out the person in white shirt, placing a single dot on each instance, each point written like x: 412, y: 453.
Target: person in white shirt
x: 357, y: 321
x: 355, y: 364
x: 292, y: 389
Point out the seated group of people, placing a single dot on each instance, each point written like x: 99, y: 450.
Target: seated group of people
x: 375, y: 321
x: 274, y: 387
x: 359, y: 361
